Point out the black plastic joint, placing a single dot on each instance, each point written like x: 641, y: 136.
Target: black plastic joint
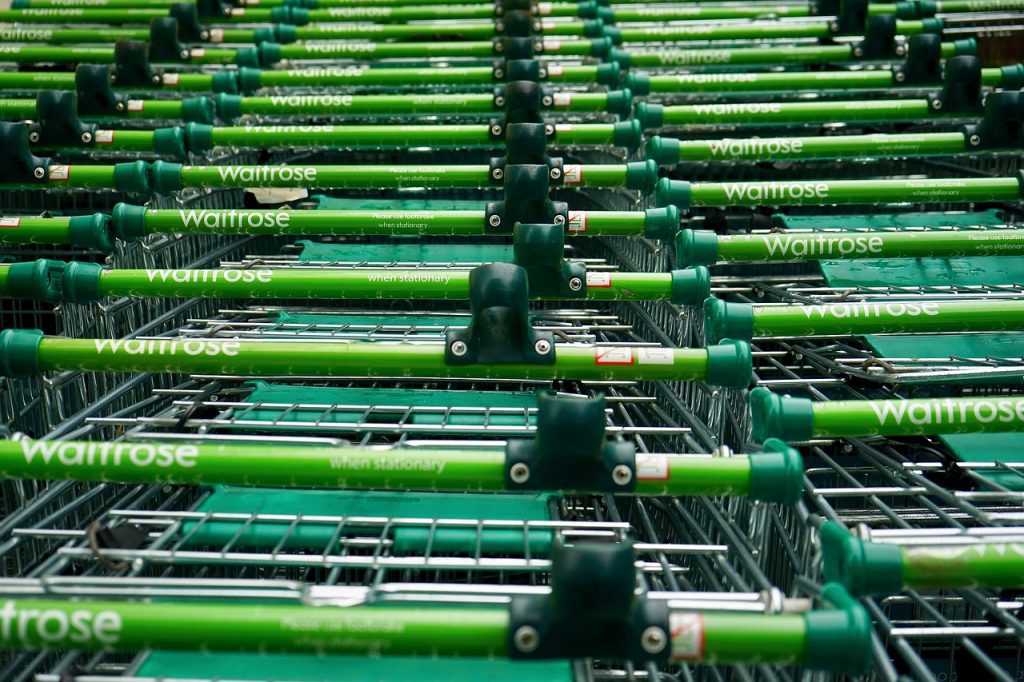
x: 961, y: 86
x: 525, y: 201
x: 57, y: 123
x: 521, y: 101
x: 570, y: 451
x: 540, y: 250
x: 923, y: 65
x: 516, y: 23
x: 852, y: 17
x: 18, y: 165
x: 190, y: 30
x: 519, y: 47
x: 517, y: 70
x: 1001, y: 125
x: 879, y: 38
x: 499, y: 331
x: 96, y: 97
x: 165, y: 42
x: 825, y: 8
x: 592, y: 610
x: 131, y: 64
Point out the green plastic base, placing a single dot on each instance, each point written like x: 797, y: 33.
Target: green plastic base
x: 784, y: 417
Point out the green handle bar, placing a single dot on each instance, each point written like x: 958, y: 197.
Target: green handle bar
x: 34, y: 54
x: 704, y: 12
x: 793, y: 419
x: 773, y: 476
x: 359, y: 76
x: 28, y: 352
x: 683, y: 32
x: 224, y: 80
x: 703, y: 247
x: 195, y: 109
x: 87, y: 231
x: 745, y: 321
x: 464, y: 29
x: 363, y: 51
x: 781, y: 113
x: 684, y: 195
x: 883, y: 569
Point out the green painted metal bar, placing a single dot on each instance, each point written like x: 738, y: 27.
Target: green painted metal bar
x: 823, y: 192
x: 798, y: 419
x: 704, y: 247
x: 335, y: 76
x: 123, y: 176
x: 711, y: 32
x: 351, y: 468
x: 57, y: 54
x: 482, y: 49
x: 466, y: 29
x: 773, y: 113
x: 704, y: 12
x: 87, y: 231
x: 670, y: 151
x: 64, y: 15
x: 46, y: 80
x: 745, y: 321
x: 954, y: 6
x: 36, y: 34
x: 364, y: 359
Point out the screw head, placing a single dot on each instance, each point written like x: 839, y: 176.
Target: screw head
x: 499, y: 47
x: 156, y: 80
x: 459, y: 348
x: 575, y: 283
x: 858, y: 52
x: 900, y: 76
x: 547, y: 101
x: 555, y: 173
x: 538, y: 46
x: 87, y: 137
x: 559, y: 219
x: 33, y: 136
x: 622, y: 474
x: 653, y: 640
x: 936, y: 104
x: 499, y: 26
x: 495, y: 130
x: 543, y: 73
x: 543, y: 347
x: 185, y: 54
x: 499, y: 73
x: 549, y: 129
x: 39, y: 172
x: 499, y: 101
x: 497, y: 174
x: 205, y: 35
x: 519, y: 473
x: 119, y: 106
x: 974, y: 140
x: 901, y: 50
x: 833, y: 26
x: 526, y: 639
x: 494, y: 220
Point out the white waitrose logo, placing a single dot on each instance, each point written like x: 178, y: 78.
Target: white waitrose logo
x: 755, y: 147
x: 142, y: 455
x: 717, y: 78
x: 947, y: 411
x: 821, y: 245
x: 689, y: 57
x: 191, y: 347
x: 250, y: 128
x: 738, y: 108
x: 345, y: 48
x: 8, y: 32
x: 53, y: 626
x: 268, y: 174
x: 865, y: 309
x: 358, y: 11
x: 211, y: 276
x: 311, y: 100
x: 780, y: 191
x: 233, y: 220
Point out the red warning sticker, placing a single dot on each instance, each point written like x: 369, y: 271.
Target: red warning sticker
x: 613, y: 355
x: 60, y: 172
x: 572, y: 174
x: 104, y: 136
x: 599, y: 279
x: 651, y: 467
x: 687, y: 636
x: 10, y: 223
x: 563, y: 99
x: 577, y: 221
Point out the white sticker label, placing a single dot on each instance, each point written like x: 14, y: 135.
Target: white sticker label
x: 9, y: 223
x: 171, y: 79
x: 104, y: 136
x: 577, y: 221
x: 655, y: 356
x: 613, y: 355
x: 554, y: 70
x: 552, y: 45
x: 237, y: 11
x: 563, y: 127
x: 599, y: 279
x: 687, y: 636
x: 60, y: 172
x: 198, y: 52
x: 548, y: 24
x: 216, y: 35
x: 544, y: 8
x: 572, y: 174
x: 563, y: 99
x: 651, y: 467
x: 135, y: 105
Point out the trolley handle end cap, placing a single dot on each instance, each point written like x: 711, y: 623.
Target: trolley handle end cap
x: 639, y: 83
x: 128, y: 222
x: 132, y: 177
x: 727, y: 320
x: 199, y: 137
x: 838, y: 639
x: 19, y: 352
x: 730, y: 364
x: 602, y: 47
x: 594, y: 28
x: 661, y: 223
x: 662, y: 150
x: 613, y: 32
x: 609, y: 74
x: 673, y: 193
x: 285, y: 33
x: 228, y: 106
x: 250, y: 55
x: 966, y: 46
x: 642, y: 176
x: 777, y: 474
x: 784, y: 417
x: 198, y: 110
x: 620, y: 102
x: 249, y: 80
x: 170, y: 141
x: 165, y: 177
x: 696, y: 247
x: 628, y: 134
x: 691, y: 286
x: 225, y: 82
x: 1012, y: 77
x: 621, y: 56
x: 92, y: 232
x: 54, y: 281
x: 266, y: 56
x: 651, y: 116
x: 863, y: 568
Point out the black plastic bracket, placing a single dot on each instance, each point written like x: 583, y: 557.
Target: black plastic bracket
x: 1001, y: 125
x: 526, y: 144
x: 190, y: 30
x: 517, y: 70
x: 164, y: 41
x: 879, y: 38
x: 825, y: 8
x: 500, y: 331
x: 852, y: 17
x: 526, y: 200
x: 510, y: 5
x: 131, y: 64
x: 521, y: 102
x: 592, y: 610
x: 540, y: 250
x: 18, y: 165
x: 96, y: 97
x: 213, y: 9
x: 570, y: 451
x: 923, y: 65
x: 517, y: 23
x: 961, y: 86
x: 517, y: 47
x: 57, y: 123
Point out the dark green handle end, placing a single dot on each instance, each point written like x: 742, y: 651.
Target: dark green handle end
x: 170, y: 141
x: 662, y: 150
x: 199, y: 137
x: 132, y: 177
x: 651, y: 116
x: 197, y: 110
x: 19, y: 352
x: 968, y: 47
x: 774, y: 416
x: 696, y: 247
x: 628, y: 134
x: 642, y: 176
x: 91, y: 232
x: 225, y: 82
x: 609, y: 74
x: 777, y: 474
x: 838, y: 639
x: 673, y: 193
x: 128, y: 222
x: 229, y: 107
x: 621, y: 56
x: 639, y: 83
x: 620, y: 102
x: 730, y: 364
x: 166, y: 177
x: 863, y: 568
x: 691, y: 286
x: 661, y: 223
x: 54, y: 281
x: 727, y: 320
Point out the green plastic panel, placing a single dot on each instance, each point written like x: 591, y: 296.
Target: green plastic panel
x: 990, y: 447
x: 887, y: 220
x: 415, y: 252
x: 983, y: 270
x: 303, y: 668
x: 407, y: 539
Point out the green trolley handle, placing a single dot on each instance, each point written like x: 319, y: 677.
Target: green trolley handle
x: 78, y: 282
x: 224, y: 80
x: 88, y: 232
x: 684, y: 195
x: 57, y: 54
x: 190, y: 109
x: 746, y: 321
x: 703, y: 12
x: 465, y: 29
x: 704, y: 247
x: 29, y: 352
x: 882, y: 569
x: 799, y: 419
x: 653, y: 116
x: 272, y: 53
x: 772, y: 476
x: 168, y: 142
x: 739, y: 31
